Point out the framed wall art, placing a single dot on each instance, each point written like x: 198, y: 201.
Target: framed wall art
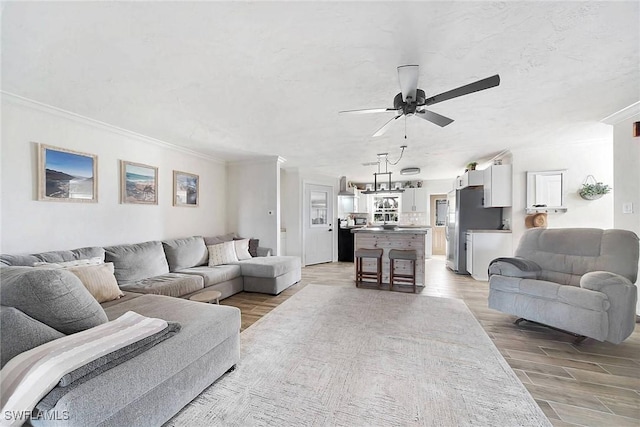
x: 66, y: 175
x: 138, y: 183
x: 185, y: 189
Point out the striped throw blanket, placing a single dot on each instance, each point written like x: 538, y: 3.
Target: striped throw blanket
x: 26, y: 378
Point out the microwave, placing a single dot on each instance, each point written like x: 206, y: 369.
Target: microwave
x: 360, y: 221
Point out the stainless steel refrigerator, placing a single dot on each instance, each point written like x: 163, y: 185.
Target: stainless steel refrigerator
x: 465, y: 212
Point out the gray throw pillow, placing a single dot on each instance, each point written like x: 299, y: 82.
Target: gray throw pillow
x: 185, y: 253
x: 19, y: 333
x: 137, y: 261
x: 55, y: 297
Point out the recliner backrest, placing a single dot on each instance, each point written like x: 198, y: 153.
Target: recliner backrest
x: 565, y: 254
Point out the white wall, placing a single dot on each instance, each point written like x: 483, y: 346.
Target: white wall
x: 253, y: 191
x: 29, y: 225
x: 580, y: 160
x: 291, y: 210
x: 626, y: 182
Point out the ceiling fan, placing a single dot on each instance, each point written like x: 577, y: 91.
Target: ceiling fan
x: 411, y: 101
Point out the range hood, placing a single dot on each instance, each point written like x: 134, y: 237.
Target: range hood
x: 344, y: 191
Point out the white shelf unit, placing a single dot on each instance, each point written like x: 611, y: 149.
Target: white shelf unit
x: 386, y: 208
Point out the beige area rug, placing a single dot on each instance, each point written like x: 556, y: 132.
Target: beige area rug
x: 357, y: 357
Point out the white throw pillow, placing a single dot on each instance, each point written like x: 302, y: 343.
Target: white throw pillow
x: 99, y: 281
x: 66, y: 264
x: 242, y: 249
x: 223, y: 253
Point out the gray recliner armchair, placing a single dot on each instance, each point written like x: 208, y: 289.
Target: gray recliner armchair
x: 579, y: 280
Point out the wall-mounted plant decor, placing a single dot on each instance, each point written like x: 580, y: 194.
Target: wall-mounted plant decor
x: 592, y: 189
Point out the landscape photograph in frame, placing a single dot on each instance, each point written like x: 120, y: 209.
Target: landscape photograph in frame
x: 185, y: 189
x: 66, y: 175
x: 139, y: 183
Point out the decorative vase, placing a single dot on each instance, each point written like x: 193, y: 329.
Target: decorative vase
x: 590, y: 196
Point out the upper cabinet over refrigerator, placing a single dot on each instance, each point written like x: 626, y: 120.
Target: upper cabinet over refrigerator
x: 497, y: 186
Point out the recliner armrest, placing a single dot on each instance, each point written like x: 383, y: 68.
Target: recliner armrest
x: 263, y: 251
x: 514, y: 267
x: 600, y: 280
x: 622, y: 296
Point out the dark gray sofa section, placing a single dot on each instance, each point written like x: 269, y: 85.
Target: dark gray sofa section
x: 146, y: 390
x: 150, y: 388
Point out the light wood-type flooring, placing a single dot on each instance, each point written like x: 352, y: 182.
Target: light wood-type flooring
x: 591, y: 384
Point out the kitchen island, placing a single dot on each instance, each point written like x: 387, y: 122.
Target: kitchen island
x: 416, y: 238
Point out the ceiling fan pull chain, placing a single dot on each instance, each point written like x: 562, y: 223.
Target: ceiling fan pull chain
x: 405, y: 127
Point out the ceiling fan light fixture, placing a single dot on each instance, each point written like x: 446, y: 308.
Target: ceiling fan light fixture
x: 410, y: 171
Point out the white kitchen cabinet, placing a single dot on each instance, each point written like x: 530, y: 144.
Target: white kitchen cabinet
x: 497, y: 186
x: 414, y: 200
x: 470, y: 179
x: 483, y: 246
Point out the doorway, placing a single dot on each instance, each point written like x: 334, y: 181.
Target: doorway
x: 438, y: 223
x: 318, y: 224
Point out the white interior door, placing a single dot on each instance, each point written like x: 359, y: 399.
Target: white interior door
x: 318, y: 223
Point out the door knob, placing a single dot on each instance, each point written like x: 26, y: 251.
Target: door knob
x: 331, y: 229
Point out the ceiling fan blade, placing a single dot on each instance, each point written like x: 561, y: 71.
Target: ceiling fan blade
x: 387, y: 125
x: 408, y: 77
x: 483, y: 84
x: 432, y: 117
x: 369, y: 110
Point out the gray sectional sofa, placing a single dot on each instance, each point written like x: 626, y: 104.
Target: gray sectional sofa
x: 40, y: 304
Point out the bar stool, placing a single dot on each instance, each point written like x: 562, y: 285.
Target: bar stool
x: 360, y: 273
x: 407, y: 255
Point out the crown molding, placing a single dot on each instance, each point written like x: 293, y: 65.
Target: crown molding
x: 260, y: 160
x: 59, y: 112
x: 624, y: 114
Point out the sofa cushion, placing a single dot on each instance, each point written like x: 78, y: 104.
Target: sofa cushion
x: 99, y: 281
x: 137, y: 261
x: 242, y: 249
x: 216, y: 240
x: 170, y: 284
x: 223, y: 253
x: 564, y: 255
x: 270, y: 267
x: 55, y: 256
x: 21, y: 333
x: 185, y: 253
x: 567, y: 294
x: 214, y: 275
x: 55, y: 297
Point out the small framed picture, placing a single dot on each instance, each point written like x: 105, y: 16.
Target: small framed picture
x: 66, y: 175
x: 185, y: 189
x: 138, y: 183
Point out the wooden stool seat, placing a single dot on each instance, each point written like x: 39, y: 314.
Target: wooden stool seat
x: 406, y: 255
x: 376, y: 254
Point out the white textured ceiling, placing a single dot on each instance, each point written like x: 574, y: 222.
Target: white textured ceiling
x: 244, y: 79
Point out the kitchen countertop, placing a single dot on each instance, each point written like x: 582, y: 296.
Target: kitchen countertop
x: 399, y: 230
x: 488, y: 231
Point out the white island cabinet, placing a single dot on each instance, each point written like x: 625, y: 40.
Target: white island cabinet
x: 416, y: 238
x: 483, y: 246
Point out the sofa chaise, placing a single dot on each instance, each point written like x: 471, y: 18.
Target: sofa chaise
x: 579, y: 280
